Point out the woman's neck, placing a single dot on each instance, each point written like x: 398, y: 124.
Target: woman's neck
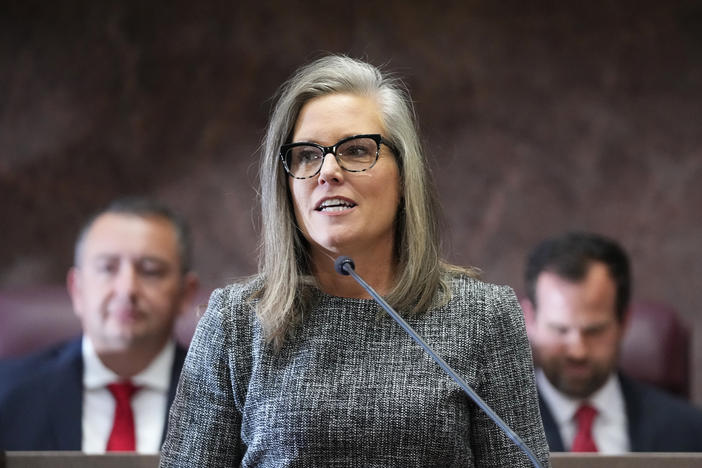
x: 377, y: 269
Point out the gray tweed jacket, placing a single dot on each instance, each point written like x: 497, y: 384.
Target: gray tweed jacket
x: 351, y: 389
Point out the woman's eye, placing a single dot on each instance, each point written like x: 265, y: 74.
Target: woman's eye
x: 306, y: 155
x: 356, y: 151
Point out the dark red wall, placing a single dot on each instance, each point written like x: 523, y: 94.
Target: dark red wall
x: 538, y: 117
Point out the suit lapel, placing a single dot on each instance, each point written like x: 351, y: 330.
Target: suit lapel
x: 175, y: 376
x: 65, y: 396
x: 638, y: 436
x: 553, y: 434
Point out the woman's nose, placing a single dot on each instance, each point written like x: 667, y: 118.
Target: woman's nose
x: 330, y: 172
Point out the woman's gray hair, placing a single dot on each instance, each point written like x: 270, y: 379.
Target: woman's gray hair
x: 284, y: 257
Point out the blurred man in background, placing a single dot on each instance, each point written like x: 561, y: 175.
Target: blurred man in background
x: 110, y: 389
x: 578, y: 288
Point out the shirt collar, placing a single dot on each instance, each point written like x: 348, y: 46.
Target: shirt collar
x: 562, y: 407
x: 607, y: 400
x: 155, y: 376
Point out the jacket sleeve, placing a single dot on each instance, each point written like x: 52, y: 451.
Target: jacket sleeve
x: 204, y: 421
x: 506, y: 383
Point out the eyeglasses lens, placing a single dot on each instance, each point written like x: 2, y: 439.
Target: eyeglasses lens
x: 357, y: 154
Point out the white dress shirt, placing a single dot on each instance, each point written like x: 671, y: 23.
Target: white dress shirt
x: 149, y: 404
x: 610, y: 428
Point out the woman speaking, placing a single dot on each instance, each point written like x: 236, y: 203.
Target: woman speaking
x: 298, y: 366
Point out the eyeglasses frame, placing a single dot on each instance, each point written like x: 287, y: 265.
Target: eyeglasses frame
x: 333, y: 150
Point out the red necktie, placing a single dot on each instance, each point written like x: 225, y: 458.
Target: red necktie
x: 584, y: 441
x: 122, y: 437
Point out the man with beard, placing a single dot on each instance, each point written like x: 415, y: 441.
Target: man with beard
x: 578, y: 288
x: 110, y: 389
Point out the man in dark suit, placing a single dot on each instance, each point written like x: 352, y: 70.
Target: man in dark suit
x: 578, y: 288
x: 111, y: 388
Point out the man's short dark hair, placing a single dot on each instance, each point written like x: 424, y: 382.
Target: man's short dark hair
x: 570, y: 255
x: 143, y: 207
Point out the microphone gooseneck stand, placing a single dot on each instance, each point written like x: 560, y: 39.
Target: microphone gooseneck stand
x: 345, y: 266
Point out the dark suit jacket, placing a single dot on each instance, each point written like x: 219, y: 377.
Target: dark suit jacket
x: 658, y: 421
x: 41, y: 398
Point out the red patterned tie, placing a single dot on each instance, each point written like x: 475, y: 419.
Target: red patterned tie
x: 122, y: 437
x: 584, y: 441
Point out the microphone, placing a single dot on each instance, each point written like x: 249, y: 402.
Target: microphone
x: 344, y: 265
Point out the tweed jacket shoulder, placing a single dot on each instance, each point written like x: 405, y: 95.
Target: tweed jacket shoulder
x: 350, y: 388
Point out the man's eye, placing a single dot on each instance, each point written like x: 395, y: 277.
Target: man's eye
x: 108, y: 268
x: 593, y: 332
x: 152, y: 272
x: 152, y: 269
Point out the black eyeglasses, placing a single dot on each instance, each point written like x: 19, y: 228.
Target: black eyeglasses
x: 356, y: 153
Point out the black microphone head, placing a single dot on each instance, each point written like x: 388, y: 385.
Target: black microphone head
x: 341, y: 262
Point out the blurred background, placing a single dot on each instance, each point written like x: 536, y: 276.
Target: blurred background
x: 538, y: 117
